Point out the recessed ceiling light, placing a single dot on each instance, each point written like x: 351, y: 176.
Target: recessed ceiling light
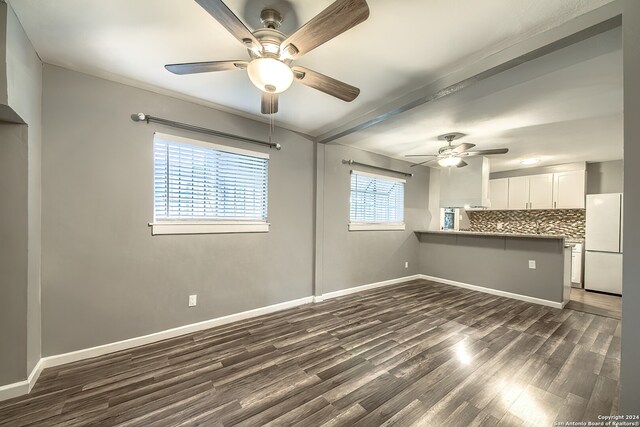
x: 530, y: 161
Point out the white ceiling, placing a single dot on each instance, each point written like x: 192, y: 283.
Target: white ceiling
x: 403, y: 45
x: 563, y: 107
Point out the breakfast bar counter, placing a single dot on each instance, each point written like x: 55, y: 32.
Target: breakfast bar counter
x: 531, y: 267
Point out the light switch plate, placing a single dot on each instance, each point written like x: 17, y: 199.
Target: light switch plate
x: 532, y: 264
x: 193, y: 300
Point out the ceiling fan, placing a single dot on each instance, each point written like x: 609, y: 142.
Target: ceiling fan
x: 272, y: 52
x: 449, y: 155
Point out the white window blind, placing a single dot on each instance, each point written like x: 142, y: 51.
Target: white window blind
x: 376, y: 199
x: 196, y: 181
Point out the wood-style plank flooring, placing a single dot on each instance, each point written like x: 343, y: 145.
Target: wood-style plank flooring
x: 418, y: 353
x: 596, y: 303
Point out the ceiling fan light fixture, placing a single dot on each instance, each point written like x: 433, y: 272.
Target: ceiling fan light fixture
x: 271, y: 73
x: 447, y: 162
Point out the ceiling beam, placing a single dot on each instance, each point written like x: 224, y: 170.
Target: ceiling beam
x: 578, y: 29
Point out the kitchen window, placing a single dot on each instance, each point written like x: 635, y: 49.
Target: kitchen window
x: 377, y: 202
x: 200, y: 187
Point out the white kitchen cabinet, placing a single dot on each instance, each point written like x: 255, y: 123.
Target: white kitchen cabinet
x: 576, y: 265
x: 541, y: 191
x: 560, y: 190
x: 499, y: 193
x: 569, y: 190
x: 518, y: 193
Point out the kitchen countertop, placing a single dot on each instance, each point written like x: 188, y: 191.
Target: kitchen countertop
x: 478, y: 233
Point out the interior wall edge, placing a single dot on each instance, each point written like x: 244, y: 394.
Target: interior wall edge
x: 630, y: 333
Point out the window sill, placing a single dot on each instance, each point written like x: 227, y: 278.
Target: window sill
x: 160, y: 228
x: 376, y: 227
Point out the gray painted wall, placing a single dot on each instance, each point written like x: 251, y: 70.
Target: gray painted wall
x: 24, y: 77
x: 476, y: 259
x: 629, y: 366
x: 354, y: 258
x: 13, y: 253
x: 605, y: 177
x: 104, y: 277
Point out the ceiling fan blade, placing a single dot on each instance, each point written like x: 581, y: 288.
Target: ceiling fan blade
x: 462, y: 164
x: 463, y: 147
x: 231, y: 22
x: 485, y: 152
x: 422, y: 163
x: 206, y: 67
x: 331, y: 22
x: 325, y: 84
x: 268, y: 103
x: 421, y: 155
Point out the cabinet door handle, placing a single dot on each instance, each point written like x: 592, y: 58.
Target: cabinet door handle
x: 555, y: 205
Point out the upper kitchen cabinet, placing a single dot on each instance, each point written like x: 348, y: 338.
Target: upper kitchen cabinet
x: 541, y: 191
x: 559, y: 190
x: 569, y: 190
x: 531, y: 192
x: 518, y: 193
x: 499, y: 193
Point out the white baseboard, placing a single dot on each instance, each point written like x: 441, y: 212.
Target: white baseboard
x: 100, y: 350
x: 348, y: 291
x: 493, y: 291
x: 12, y: 390
x: 20, y: 388
x: 24, y: 387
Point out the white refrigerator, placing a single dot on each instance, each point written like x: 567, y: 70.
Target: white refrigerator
x: 603, y: 243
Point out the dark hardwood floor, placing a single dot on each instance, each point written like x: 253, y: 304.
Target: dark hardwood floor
x: 596, y: 303
x: 418, y: 353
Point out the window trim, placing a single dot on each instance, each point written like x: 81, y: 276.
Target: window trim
x: 376, y: 226
x: 379, y: 226
x: 207, y: 226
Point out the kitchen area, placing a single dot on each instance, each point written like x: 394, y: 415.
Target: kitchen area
x: 550, y: 235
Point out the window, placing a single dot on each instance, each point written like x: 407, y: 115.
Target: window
x: 206, y: 188
x: 377, y: 202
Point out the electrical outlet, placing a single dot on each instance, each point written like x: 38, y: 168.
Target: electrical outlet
x: 193, y: 300
x: 532, y: 264
x: 406, y: 264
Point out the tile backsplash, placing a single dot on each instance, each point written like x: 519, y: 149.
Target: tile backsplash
x: 567, y: 222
